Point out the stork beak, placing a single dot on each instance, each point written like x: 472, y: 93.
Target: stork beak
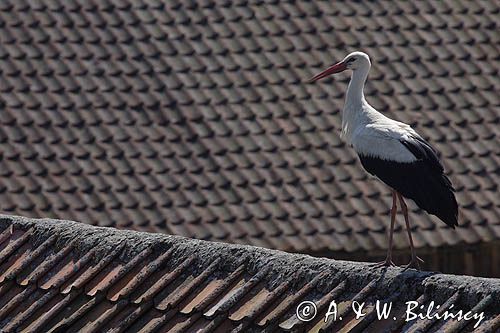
x: 337, y: 68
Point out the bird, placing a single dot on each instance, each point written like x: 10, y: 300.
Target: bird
x: 395, y: 153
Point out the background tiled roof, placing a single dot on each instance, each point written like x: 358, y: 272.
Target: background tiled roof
x: 193, y: 118
x: 70, y: 277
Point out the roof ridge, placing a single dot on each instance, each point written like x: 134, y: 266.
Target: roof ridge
x: 279, y: 266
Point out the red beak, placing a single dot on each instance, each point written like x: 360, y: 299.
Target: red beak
x: 337, y: 68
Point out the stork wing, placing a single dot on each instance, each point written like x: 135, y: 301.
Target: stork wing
x: 393, y: 140
x: 422, y: 150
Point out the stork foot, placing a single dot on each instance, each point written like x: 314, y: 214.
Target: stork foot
x: 414, y: 263
x: 386, y: 263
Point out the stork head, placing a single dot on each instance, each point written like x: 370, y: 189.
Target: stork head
x: 354, y: 61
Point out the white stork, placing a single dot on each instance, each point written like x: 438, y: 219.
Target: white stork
x: 395, y: 153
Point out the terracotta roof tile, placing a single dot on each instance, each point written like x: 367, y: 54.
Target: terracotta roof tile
x: 95, y: 279
x: 195, y: 119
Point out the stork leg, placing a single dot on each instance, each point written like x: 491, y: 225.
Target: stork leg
x: 388, y: 259
x: 415, y: 261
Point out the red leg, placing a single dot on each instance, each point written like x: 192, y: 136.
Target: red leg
x: 415, y: 261
x: 388, y: 259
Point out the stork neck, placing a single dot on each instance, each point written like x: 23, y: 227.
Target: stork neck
x: 355, y: 103
x: 355, y: 94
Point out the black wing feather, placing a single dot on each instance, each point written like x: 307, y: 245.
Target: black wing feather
x: 422, y: 150
x: 423, y: 181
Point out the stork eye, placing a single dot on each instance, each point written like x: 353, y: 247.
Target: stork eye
x: 351, y: 60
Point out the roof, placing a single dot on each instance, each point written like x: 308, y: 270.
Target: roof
x: 67, y: 276
x: 194, y: 119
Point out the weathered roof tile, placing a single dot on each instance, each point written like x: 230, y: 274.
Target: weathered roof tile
x: 96, y: 279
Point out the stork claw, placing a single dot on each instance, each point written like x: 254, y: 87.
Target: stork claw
x: 386, y: 263
x: 414, y: 263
